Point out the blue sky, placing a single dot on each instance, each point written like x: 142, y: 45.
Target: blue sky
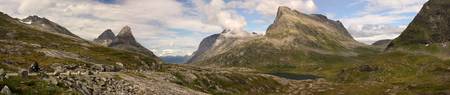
x: 176, y: 27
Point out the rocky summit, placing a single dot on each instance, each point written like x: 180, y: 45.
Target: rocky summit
x: 429, y: 31
x: 309, y: 30
x: 46, y: 25
x: 106, y: 38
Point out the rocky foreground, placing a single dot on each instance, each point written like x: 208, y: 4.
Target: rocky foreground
x: 177, y: 80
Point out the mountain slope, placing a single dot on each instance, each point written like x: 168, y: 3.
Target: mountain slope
x: 22, y: 45
x: 310, y: 30
x: 218, y: 43
x: 294, y: 37
x: 44, y: 24
x: 429, y: 31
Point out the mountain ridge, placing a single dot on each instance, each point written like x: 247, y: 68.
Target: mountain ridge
x: 44, y: 24
x: 124, y: 41
x: 291, y: 35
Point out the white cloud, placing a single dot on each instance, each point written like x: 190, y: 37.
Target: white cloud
x: 217, y: 12
x: 151, y: 20
x: 155, y: 23
x: 370, y: 33
x: 269, y: 7
x: 378, y: 20
x: 393, y: 6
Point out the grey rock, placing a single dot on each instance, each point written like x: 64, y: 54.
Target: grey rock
x: 2, y: 74
x: 367, y: 68
x: 106, y: 38
x: 23, y: 73
x: 6, y: 91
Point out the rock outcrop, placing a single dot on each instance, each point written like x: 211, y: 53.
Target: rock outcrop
x: 106, y: 38
x: 47, y: 25
x: 429, y: 31
x: 218, y: 43
x: 6, y: 91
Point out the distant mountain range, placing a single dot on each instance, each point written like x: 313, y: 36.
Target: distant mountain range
x: 175, y: 59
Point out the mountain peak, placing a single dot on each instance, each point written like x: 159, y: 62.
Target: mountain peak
x: 108, y: 34
x: 42, y: 23
x: 125, y: 32
x: 126, y: 36
x: 126, y: 41
x: 106, y: 38
x: 306, y: 28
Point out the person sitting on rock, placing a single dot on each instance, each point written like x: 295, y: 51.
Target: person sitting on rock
x: 35, y: 67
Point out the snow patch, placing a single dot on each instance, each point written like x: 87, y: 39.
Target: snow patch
x: 26, y: 22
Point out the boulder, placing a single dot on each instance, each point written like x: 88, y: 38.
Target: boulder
x: 367, y: 68
x: 6, y: 91
x: 23, y: 73
x: 2, y: 74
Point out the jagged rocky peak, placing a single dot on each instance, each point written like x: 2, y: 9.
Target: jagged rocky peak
x: 108, y: 34
x: 125, y: 32
x: 44, y: 24
x: 430, y: 28
x: 34, y: 19
x: 106, y: 38
x: 126, y: 41
x: 126, y: 36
